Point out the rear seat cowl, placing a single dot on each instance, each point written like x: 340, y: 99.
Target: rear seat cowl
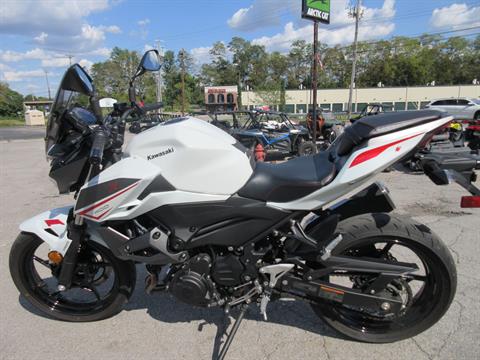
x: 383, y: 124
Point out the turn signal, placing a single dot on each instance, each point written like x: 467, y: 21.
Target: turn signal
x: 470, y: 202
x: 55, y: 257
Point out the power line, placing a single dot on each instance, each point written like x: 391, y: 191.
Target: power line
x: 418, y: 35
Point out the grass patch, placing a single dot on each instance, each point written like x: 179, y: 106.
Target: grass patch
x: 11, y: 122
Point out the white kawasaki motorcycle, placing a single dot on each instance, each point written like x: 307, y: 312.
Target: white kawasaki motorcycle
x: 214, y: 228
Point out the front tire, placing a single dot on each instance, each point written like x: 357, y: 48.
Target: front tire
x: 102, y: 284
x: 361, y: 234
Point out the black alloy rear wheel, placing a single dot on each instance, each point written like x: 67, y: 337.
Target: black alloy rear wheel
x: 102, y: 284
x: 426, y: 295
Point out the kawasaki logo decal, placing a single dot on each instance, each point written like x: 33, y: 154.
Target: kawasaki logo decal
x: 161, y: 153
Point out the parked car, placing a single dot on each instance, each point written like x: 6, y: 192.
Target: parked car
x: 461, y: 108
x: 278, y: 136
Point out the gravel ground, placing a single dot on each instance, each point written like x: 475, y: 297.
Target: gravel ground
x: 158, y: 327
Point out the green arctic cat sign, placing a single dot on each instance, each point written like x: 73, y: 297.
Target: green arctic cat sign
x: 316, y: 10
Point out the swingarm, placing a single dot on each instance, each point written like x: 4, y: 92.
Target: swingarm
x: 346, y: 296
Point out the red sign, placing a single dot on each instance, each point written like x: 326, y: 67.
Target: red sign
x: 217, y: 91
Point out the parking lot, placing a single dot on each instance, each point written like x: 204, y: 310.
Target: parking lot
x: 159, y: 327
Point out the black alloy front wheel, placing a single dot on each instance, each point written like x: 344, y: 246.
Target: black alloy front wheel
x: 426, y: 294
x: 101, y: 284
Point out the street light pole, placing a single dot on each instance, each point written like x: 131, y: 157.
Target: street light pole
x: 357, y: 14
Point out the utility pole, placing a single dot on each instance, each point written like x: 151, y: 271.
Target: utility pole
x: 315, y: 84
x: 70, y: 57
x: 356, y: 13
x: 48, y: 85
x: 159, y: 73
x: 182, y: 66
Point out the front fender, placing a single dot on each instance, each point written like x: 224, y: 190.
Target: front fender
x: 51, y: 227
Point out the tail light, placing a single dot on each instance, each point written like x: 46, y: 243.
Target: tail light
x: 470, y: 202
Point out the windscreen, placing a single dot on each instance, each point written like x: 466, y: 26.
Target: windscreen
x: 64, y: 100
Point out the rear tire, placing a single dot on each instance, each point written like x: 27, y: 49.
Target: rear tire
x: 335, y: 132
x: 305, y: 148
x: 38, y: 291
x: 427, y: 307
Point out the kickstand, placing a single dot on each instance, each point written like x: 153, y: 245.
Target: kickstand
x: 236, y: 325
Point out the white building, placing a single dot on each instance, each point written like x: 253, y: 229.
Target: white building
x: 401, y: 98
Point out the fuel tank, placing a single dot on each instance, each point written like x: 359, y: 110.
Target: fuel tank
x: 194, y: 156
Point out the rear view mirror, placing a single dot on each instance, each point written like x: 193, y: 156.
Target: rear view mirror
x: 150, y: 62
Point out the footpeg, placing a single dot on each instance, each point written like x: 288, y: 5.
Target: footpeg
x: 327, y: 251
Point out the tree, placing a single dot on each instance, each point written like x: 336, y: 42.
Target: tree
x: 220, y: 71
x: 401, y: 61
x: 173, y: 82
x: 299, y: 64
x: 11, y: 102
x: 112, y: 77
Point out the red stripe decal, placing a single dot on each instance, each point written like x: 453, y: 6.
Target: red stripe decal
x: 51, y: 222
x: 97, y: 217
x: 84, y: 212
x: 370, y: 154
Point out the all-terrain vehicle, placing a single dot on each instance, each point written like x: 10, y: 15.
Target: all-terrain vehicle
x: 147, y: 121
x: 328, y: 127
x: 472, y: 135
x: 372, y: 109
x: 273, y: 131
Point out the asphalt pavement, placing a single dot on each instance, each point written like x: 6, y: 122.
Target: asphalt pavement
x: 159, y: 327
x: 22, y: 133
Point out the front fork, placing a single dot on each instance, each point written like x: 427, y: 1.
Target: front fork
x: 76, y: 233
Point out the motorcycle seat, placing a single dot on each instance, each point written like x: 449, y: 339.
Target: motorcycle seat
x: 378, y: 125
x: 290, y: 180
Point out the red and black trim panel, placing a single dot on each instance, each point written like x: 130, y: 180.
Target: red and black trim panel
x: 373, y: 153
x: 93, y: 194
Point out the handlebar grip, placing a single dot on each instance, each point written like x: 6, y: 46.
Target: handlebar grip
x: 151, y: 107
x: 96, y: 153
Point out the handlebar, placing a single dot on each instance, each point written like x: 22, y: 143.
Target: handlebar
x: 99, y: 141
x: 151, y: 107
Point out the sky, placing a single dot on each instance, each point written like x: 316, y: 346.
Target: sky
x: 39, y: 36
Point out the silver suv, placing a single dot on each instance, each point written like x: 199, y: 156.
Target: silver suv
x: 461, y: 108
